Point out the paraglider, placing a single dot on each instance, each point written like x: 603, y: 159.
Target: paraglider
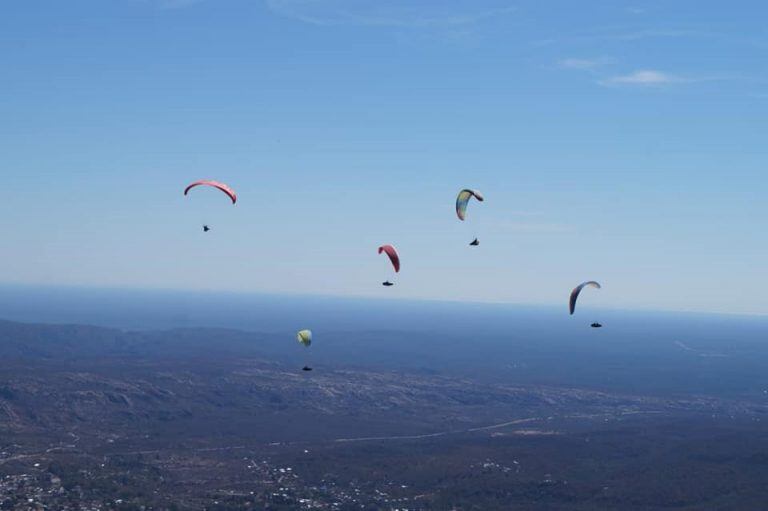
x: 577, y: 290
x: 462, y: 200
x: 305, y: 339
x: 215, y: 184
x: 394, y: 258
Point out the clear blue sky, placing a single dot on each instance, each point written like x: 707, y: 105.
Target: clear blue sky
x: 619, y: 141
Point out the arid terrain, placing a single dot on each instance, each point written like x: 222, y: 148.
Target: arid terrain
x: 96, y: 418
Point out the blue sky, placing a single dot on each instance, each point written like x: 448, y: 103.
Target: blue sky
x: 617, y: 141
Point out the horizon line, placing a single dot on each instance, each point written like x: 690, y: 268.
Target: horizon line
x: 289, y: 294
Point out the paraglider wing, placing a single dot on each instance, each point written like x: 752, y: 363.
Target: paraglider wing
x: 392, y: 254
x: 577, y: 290
x: 305, y: 338
x: 221, y: 186
x: 463, y: 199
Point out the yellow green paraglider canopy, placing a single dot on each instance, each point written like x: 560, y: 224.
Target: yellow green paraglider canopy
x: 304, y: 337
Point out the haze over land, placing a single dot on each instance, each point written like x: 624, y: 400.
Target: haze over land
x: 417, y: 405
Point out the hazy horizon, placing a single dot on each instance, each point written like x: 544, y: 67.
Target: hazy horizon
x: 510, y: 344
x: 36, y: 302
